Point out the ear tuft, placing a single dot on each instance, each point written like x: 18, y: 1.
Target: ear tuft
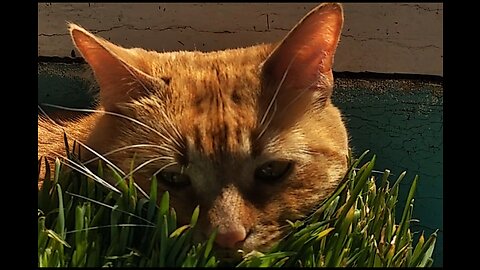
x: 116, y: 69
x: 309, y: 48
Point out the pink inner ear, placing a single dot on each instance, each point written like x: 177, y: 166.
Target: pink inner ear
x: 312, y: 43
x: 298, y: 74
x: 119, y: 81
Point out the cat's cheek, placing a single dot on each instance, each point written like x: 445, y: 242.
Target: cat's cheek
x: 183, y: 208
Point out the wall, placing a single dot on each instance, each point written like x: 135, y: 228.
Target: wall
x: 386, y: 38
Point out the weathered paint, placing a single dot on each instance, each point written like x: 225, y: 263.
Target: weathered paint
x: 401, y: 122
x: 377, y: 37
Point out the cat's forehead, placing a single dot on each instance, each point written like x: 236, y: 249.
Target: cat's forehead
x: 219, y: 98
x: 194, y: 65
x: 213, y: 97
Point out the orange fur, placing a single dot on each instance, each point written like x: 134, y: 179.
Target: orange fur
x: 212, y: 114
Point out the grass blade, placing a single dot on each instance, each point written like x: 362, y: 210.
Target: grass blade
x: 405, y: 221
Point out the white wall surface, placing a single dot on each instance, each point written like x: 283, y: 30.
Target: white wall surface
x: 377, y: 37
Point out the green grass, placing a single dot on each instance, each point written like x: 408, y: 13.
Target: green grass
x: 83, y: 223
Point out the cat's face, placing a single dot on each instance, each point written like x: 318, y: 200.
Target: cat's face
x: 248, y: 134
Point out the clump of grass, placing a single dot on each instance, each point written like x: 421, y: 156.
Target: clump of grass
x: 83, y: 223
x: 354, y: 227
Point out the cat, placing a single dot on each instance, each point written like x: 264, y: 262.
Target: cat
x: 249, y: 134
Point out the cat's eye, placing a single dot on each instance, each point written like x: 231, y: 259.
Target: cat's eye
x: 174, y: 179
x: 273, y: 170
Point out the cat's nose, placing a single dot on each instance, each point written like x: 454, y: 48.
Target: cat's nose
x: 230, y: 237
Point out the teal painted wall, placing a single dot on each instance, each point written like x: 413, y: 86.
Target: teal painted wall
x: 401, y: 121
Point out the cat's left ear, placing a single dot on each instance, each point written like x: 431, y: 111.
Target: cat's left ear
x: 122, y: 74
x: 302, y: 62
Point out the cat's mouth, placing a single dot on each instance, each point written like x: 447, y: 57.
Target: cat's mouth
x: 254, y: 242
x: 228, y: 255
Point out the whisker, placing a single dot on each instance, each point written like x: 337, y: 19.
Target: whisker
x: 113, y: 114
x: 111, y: 226
x: 101, y: 157
x: 47, y: 116
x: 302, y: 92
x: 89, y: 174
x: 96, y: 177
x: 108, y: 206
x: 278, y: 89
x: 141, y: 190
x: 112, y: 165
x: 85, y: 171
x: 136, y: 78
x: 164, y: 167
x: 169, y: 121
x: 274, y: 97
x: 146, y: 163
x: 174, y: 128
x: 128, y: 147
x: 174, y: 141
x: 116, y: 168
x: 264, y: 129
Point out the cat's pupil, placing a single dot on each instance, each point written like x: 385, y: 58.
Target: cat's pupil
x: 175, y: 179
x: 273, y: 170
x: 268, y: 170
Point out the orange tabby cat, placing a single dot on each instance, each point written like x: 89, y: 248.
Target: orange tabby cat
x: 249, y: 134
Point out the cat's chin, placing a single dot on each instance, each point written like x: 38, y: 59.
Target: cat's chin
x: 232, y: 256
x: 229, y: 255
x: 249, y: 247
x: 257, y: 241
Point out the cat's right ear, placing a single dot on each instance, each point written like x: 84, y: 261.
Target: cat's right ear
x: 307, y: 52
x: 298, y: 73
x: 121, y: 73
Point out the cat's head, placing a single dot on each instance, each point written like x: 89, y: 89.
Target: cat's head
x: 248, y: 134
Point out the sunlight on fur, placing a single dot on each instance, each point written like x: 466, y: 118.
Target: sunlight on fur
x: 249, y: 134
